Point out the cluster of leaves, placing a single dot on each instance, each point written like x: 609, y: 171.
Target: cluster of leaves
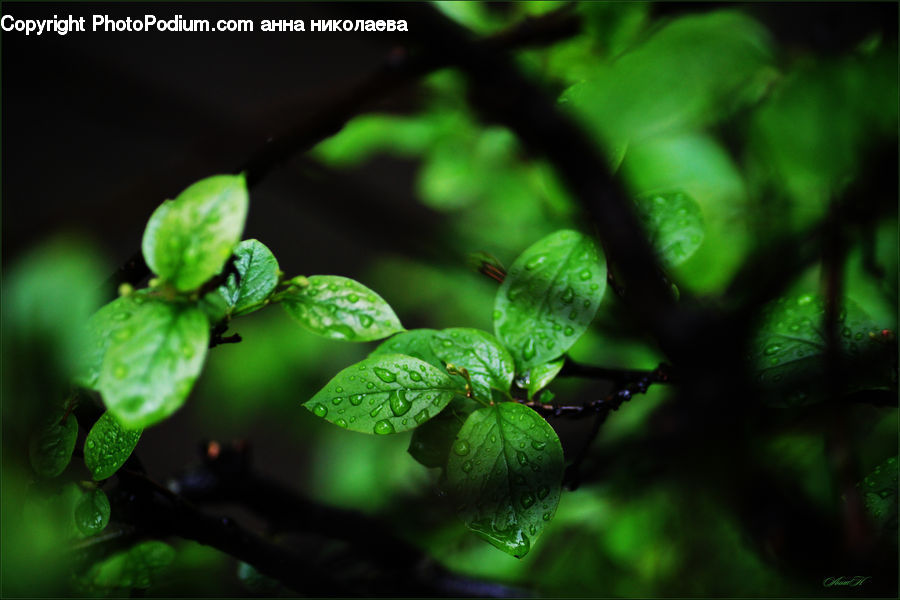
x: 458, y: 388
x: 143, y: 351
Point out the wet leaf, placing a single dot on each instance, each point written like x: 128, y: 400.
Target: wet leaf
x: 51, y: 444
x: 258, y: 271
x: 384, y: 394
x: 415, y: 343
x: 549, y: 297
x: 92, y: 512
x: 341, y: 309
x: 138, y: 567
x: 674, y: 225
x: 188, y: 239
x: 152, y: 361
x: 431, y: 442
x: 505, y: 470
x: 540, y: 376
x: 489, y: 364
x: 108, y: 445
x: 789, y: 351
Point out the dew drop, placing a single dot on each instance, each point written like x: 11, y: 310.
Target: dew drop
x: 341, y: 423
x: 120, y: 372
x: 497, y: 315
x: 569, y: 331
x: 467, y: 466
x: 336, y: 400
x: 584, y: 275
x: 319, y: 410
x: 123, y: 334
x: 538, y: 445
x: 356, y: 399
x: 415, y: 376
x: 528, y: 349
x: 352, y: 298
x: 527, y: 500
x: 385, y: 375
x: 845, y: 332
x: 384, y: 427
x: 365, y: 320
x: 121, y: 316
x: 772, y: 349
x: 543, y: 491
x: 521, y: 457
x: 461, y: 447
x: 535, y: 262
x: 546, y: 516
x: 399, y: 404
x: 421, y: 417
x: 568, y: 295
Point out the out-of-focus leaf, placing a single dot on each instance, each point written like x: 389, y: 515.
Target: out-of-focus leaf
x: 188, y: 239
x: 879, y: 490
x: 108, y: 445
x: 152, y: 361
x: 383, y: 394
x: 549, y: 297
x: 51, y: 444
x: 138, y: 568
x: 92, y: 512
x: 789, y: 351
x: 254, y: 581
x: 505, y: 470
x: 367, y: 135
x: 691, y: 72
x: 674, y: 225
x: 341, y: 309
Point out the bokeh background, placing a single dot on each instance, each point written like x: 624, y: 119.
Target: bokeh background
x: 762, y: 113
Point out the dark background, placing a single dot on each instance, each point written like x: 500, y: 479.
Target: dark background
x: 99, y: 128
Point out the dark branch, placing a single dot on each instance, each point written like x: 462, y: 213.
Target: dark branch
x: 389, y: 565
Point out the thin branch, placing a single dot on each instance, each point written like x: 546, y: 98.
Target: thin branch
x: 661, y: 374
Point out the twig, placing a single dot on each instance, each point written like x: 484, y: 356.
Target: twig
x: 661, y: 374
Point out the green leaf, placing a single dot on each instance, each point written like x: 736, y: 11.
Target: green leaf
x: 92, y: 512
x: 674, y: 225
x: 430, y: 443
x: 153, y: 360
x: 879, y: 490
x: 258, y: 277
x: 51, y: 444
x: 415, y: 343
x: 108, y: 445
x: 506, y: 469
x: 789, y: 350
x: 541, y: 375
x: 549, y: 297
x: 341, y: 309
x: 188, y: 239
x: 489, y: 365
x: 384, y: 394
x: 138, y: 567
x: 102, y: 327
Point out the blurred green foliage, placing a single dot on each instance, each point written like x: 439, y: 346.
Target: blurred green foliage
x: 761, y: 136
